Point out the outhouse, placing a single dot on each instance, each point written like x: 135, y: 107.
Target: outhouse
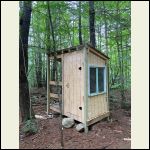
x: 83, y: 74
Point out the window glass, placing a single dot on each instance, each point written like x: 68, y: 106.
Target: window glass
x: 100, y: 79
x: 92, y: 80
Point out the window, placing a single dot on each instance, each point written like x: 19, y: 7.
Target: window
x: 96, y: 80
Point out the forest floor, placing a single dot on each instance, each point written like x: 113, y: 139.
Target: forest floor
x: 115, y: 134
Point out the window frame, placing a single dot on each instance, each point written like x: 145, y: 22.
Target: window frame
x: 97, y: 88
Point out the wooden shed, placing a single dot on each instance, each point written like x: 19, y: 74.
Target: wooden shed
x: 83, y: 84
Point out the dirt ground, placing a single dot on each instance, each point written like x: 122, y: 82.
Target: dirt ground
x: 115, y: 134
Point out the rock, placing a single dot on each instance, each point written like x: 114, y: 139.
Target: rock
x: 80, y: 127
x: 40, y: 117
x: 127, y: 139
x: 68, y: 122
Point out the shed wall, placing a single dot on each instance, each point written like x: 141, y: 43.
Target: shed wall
x: 97, y: 105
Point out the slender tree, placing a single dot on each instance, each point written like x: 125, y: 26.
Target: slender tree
x: 51, y: 28
x: 80, y: 32
x: 119, y: 46
x: 24, y: 99
x: 91, y: 22
x: 39, y: 63
x: 106, y: 28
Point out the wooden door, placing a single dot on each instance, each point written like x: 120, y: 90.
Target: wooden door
x: 73, y: 85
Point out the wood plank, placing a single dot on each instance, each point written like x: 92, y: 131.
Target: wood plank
x: 90, y: 46
x: 62, y: 83
x: 85, y: 88
x: 48, y: 77
x: 77, y: 85
x: 54, y: 95
x: 90, y: 61
x: 102, y: 104
x: 54, y: 83
x: 82, y: 87
x: 95, y: 98
x: 97, y: 54
x: 66, y: 84
x: 97, y: 105
x: 76, y: 97
x: 55, y: 108
x: 107, y: 83
x: 71, y: 87
x: 98, y: 118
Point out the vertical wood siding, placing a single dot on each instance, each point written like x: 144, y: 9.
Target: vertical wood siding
x: 97, y: 105
x: 73, y: 84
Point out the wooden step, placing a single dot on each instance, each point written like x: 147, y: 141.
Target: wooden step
x: 55, y: 95
x: 55, y: 107
x: 54, y: 83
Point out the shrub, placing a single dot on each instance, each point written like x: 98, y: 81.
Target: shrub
x: 30, y: 127
x: 126, y: 105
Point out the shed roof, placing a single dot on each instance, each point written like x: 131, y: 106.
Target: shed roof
x: 76, y: 48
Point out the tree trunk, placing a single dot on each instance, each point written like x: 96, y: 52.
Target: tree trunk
x: 122, y: 74
x: 24, y: 99
x: 118, y: 38
x: 91, y: 22
x: 38, y: 63
x: 43, y: 71
x: 100, y: 36
x: 80, y: 32
x: 73, y: 33
x: 39, y: 70
x: 55, y: 68
x: 53, y: 37
x: 105, y: 21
